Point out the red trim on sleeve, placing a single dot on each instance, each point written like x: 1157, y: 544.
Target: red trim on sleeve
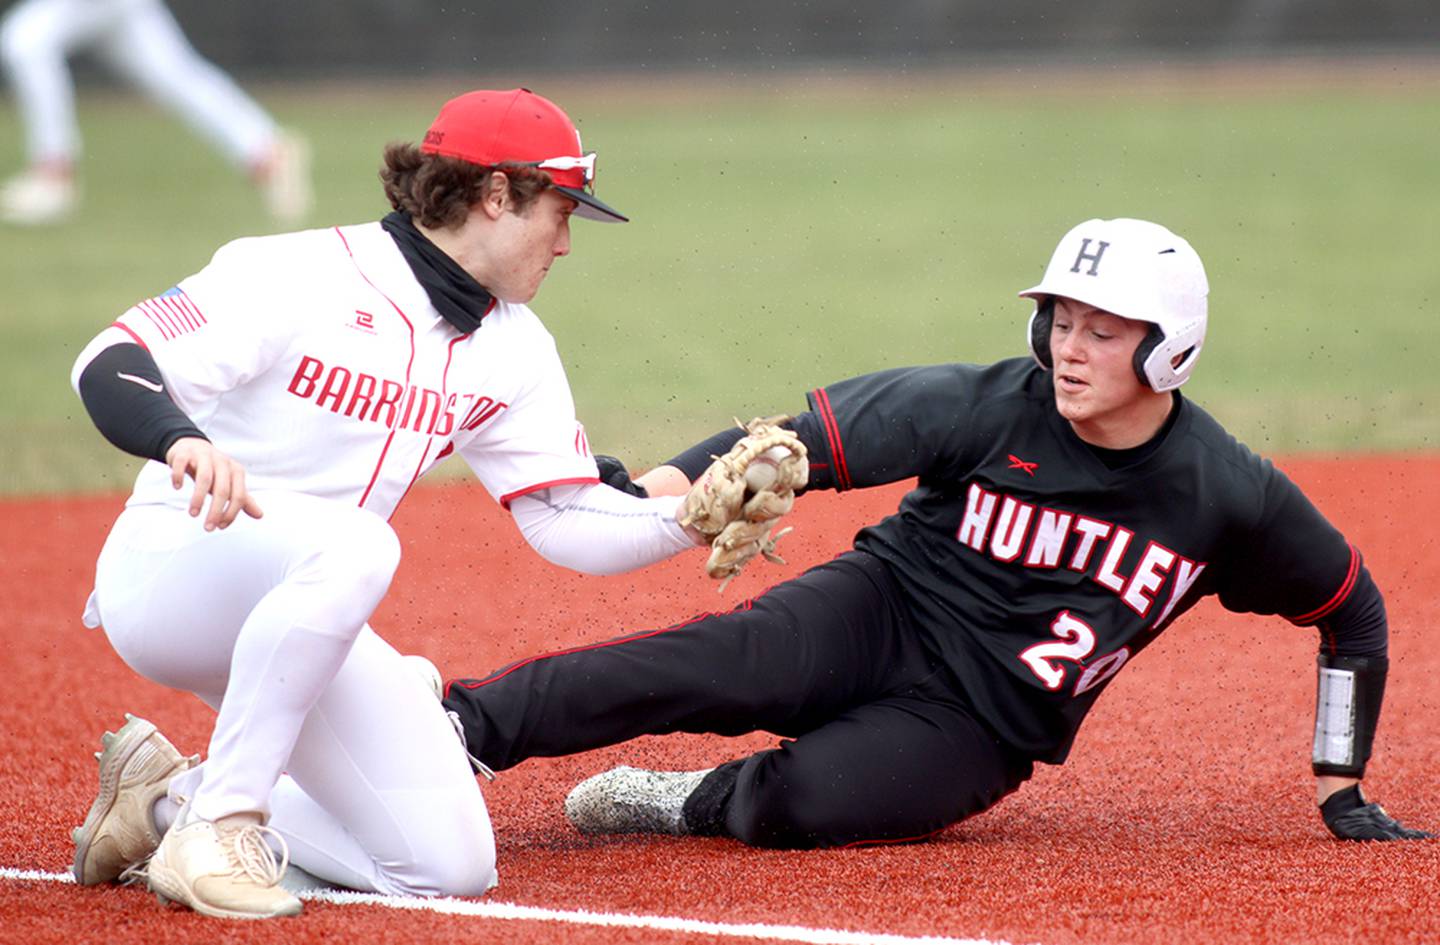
x: 1346, y: 586
x: 509, y: 497
x: 832, y: 434
x: 126, y: 328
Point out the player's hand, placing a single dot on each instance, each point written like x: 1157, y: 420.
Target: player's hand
x: 216, y: 475
x: 1349, y: 817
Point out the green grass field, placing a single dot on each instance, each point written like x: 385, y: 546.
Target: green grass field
x: 793, y: 233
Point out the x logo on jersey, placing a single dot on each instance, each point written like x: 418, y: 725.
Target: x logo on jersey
x: 1018, y: 463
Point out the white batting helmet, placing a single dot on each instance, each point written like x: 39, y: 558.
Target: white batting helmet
x: 1136, y: 270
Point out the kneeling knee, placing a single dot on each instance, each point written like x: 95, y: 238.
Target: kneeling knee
x: 452, y: 856
x: 472, y: 874
x: 372, y: 547
x: 362, y: 551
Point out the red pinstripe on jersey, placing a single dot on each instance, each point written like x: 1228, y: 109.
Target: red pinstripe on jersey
x: 409, y: 365
x: 444, y: 398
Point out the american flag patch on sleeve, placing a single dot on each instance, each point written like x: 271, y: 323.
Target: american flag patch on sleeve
x: 172, y: 312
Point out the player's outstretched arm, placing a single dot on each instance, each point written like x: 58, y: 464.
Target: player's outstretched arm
x: 1350, y: 817
x: 658, y: 482
x: 736, y: 485
x: 664, y: 480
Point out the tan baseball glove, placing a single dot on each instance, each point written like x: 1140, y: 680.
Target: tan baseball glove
x: 739, y: 498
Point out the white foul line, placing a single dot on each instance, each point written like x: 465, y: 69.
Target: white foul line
x: 505, y: 910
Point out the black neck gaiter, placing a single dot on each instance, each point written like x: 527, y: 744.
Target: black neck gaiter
x: 461, y: 300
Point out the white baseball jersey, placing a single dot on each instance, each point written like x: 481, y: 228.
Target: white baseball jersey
x: 316, y: 360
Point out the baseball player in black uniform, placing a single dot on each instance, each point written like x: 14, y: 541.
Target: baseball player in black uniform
x: 1068, y: 509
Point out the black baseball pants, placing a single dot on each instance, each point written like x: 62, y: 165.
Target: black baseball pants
x: 878, y: 743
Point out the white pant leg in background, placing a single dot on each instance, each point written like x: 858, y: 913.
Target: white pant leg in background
x: 148, y: 48
x: 263, y: 619
x: 141, y: 41
x: 36, y: 39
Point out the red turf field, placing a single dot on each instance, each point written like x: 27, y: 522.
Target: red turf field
x: 1185, y: 815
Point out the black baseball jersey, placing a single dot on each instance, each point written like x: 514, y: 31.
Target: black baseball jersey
x: 1036, y: 570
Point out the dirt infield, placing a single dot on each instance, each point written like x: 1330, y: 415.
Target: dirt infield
x: 1185, y: 815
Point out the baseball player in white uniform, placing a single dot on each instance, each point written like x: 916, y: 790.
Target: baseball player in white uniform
x: 301, y: 384
x: 139, y: 40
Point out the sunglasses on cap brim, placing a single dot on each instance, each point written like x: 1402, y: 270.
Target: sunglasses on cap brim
x: 584, y: 163
x: 589, y: 206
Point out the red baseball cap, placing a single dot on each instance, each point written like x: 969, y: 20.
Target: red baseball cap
x: 488, y: 128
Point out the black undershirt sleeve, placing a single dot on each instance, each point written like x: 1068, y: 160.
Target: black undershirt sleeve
x: 695, y: 460
x: 139, y: 419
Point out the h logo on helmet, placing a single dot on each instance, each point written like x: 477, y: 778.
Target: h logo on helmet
x: 1092, y: 258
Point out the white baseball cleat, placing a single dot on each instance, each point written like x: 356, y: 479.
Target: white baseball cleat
x: 37, y: 198
x: 119, y: 832
x: 284, y: 179
x: 223, y: 869
x: 633, y: 800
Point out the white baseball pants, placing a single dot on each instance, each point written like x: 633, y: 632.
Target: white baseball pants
x: 141, y: 41
x: 266, y: 622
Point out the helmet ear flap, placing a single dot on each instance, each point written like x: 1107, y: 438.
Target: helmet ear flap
x: 1039, y: 331
x: 1043, y: 318
x: 1149, y: 343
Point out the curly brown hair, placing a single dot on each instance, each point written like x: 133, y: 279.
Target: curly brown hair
x: 438, y: 191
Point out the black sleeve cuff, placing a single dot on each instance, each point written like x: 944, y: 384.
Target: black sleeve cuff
x: 697, y: 459
x: 125, y: 396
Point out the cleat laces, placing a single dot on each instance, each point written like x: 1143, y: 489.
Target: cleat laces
x: 251, y: 855
x: 137, y: 872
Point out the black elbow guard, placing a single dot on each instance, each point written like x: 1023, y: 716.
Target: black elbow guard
x: 1348, y: 693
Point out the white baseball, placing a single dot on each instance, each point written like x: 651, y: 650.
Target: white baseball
x: 763, y: 469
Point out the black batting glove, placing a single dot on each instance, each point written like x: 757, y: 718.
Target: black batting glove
x: 1349, y: 817
x: 614, y: 474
